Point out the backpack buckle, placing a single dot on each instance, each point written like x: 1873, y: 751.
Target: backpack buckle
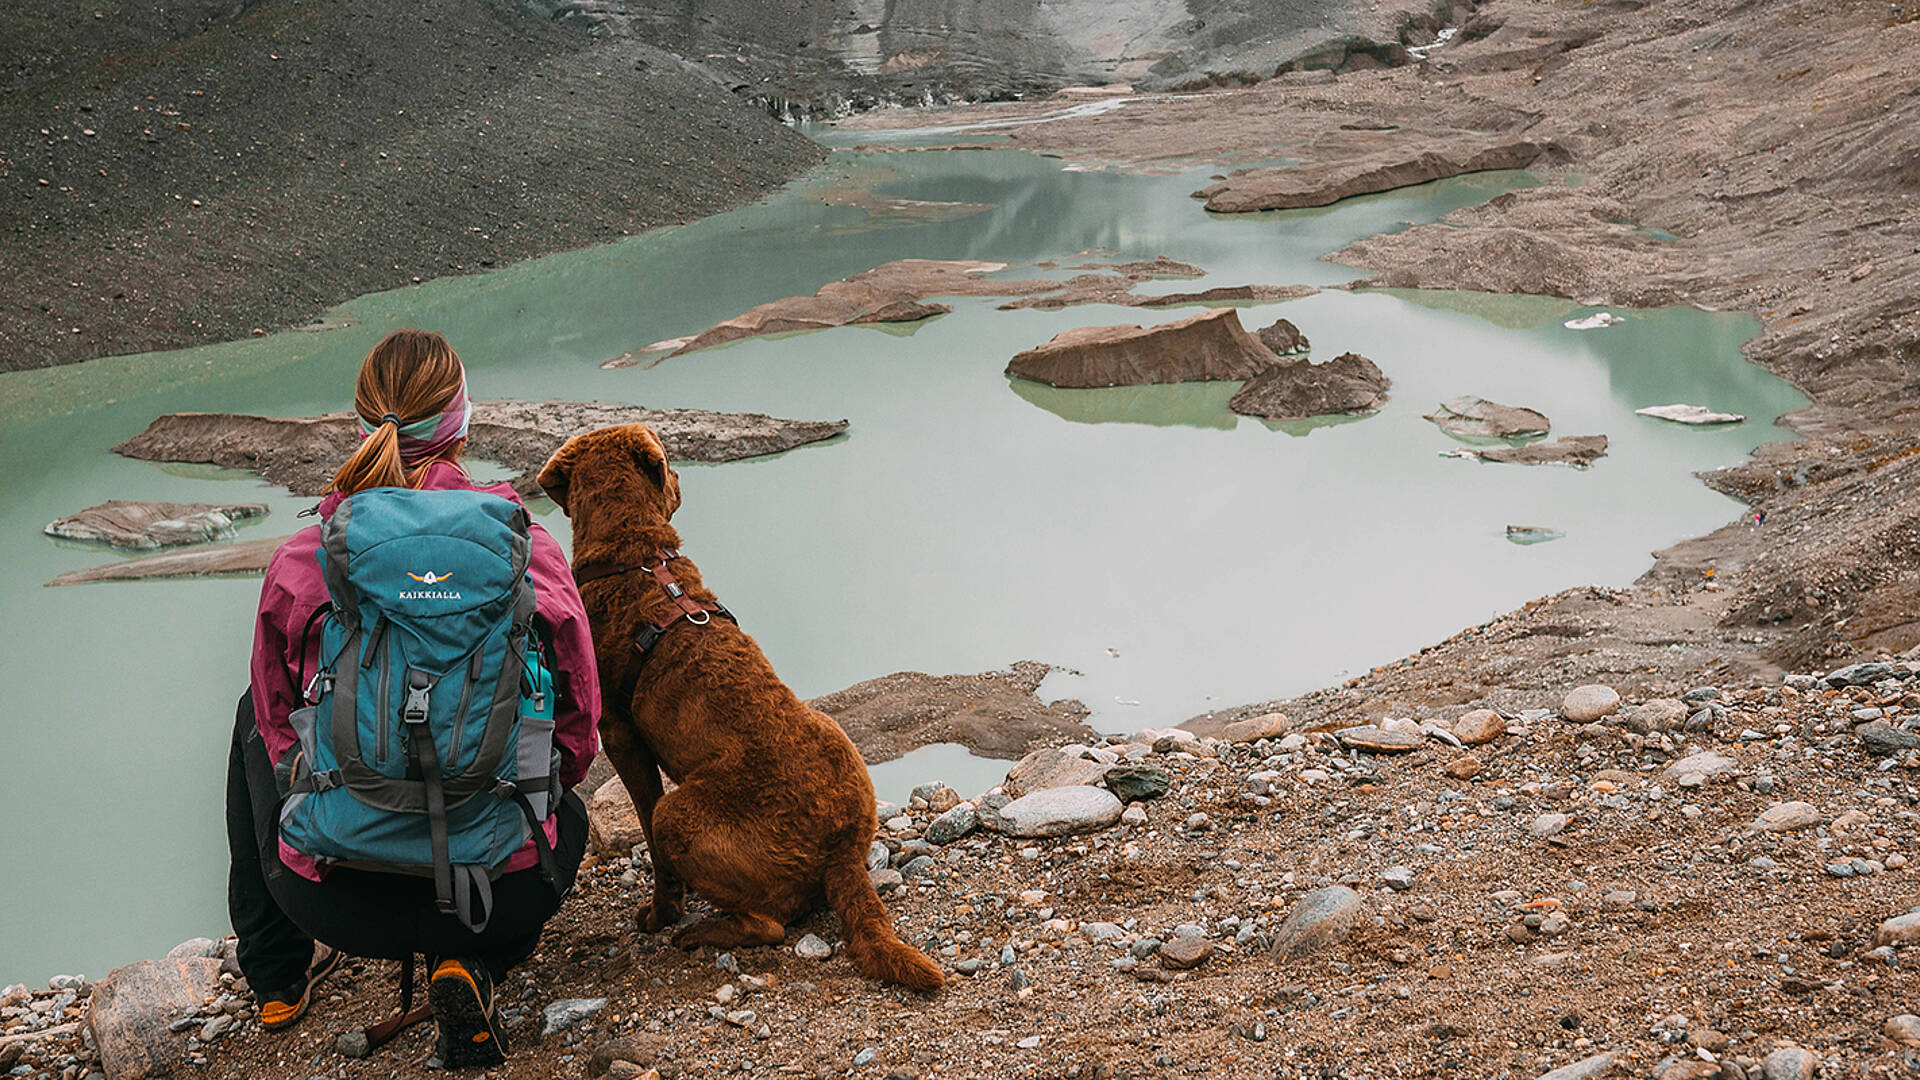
x: 414, y: 711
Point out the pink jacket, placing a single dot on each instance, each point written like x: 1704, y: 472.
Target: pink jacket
x: 294, y: 589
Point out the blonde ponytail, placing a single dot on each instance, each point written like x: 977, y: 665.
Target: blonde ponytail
x: 411, y: 376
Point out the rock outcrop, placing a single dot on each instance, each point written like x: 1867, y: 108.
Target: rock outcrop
x: 1479, y: 418
x: 1397, y: 162
x: 145, y: 526
x: 1697, y: 415
x: 995, y: 714
x: 1284, y: 338
x: 1209, y: 346
x: 132, y: 1010
x: 1349, y: 383
x: 1578, y: 451
x: 246, y: 557
x: 897, y: 292
x: 302, y: 453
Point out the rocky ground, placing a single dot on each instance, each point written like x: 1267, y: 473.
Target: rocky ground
x: 185, y: 173
x: 1715, y: 883
x: 1710, y: 877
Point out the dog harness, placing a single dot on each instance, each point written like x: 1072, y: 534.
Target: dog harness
x: 691, y: 610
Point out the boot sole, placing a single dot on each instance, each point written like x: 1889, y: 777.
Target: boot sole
x: 469, y: 1036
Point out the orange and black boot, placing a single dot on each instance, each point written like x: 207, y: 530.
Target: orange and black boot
x: 280, y: 1008
x: 461, y: 993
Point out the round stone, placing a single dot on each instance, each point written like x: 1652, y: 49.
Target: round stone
x: 1589, y: 703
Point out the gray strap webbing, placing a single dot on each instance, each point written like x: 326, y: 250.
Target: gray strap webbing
x: 419, y: 683
x: 470, y: 881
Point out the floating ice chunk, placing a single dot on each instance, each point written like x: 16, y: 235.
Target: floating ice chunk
x: 1690, y: 414
x: 1596, y: 321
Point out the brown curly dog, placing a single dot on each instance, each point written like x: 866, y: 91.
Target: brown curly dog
x: 773, y: 807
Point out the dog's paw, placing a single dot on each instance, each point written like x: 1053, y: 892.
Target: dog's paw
x: 654, y: 916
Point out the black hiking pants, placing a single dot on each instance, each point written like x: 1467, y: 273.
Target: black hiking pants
x: 277, y: 914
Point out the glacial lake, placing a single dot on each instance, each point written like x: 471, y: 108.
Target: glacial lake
x: 1175, y: 557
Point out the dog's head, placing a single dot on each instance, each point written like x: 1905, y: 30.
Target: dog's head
x: 615, y: 474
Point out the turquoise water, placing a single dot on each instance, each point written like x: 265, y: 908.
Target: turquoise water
x: 1176, y: 556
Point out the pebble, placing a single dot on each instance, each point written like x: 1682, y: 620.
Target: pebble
x: 1031, y: 1042
x: 1660, y: 714
x: 1547, y: 825
x: 1706, y: 763
x: 878, y: 856
x: 811, y: 947
x: 1786, y: 817
x: 864, y: 1056
x: 1903, y: 1029
x: 1134, y: 815
x: 565, y: 1013
x: 1464, y: 767
x: 1199, y: 822
x: 1790, y: 1063
x: 1185, y: 952
x: 1585, y: 704
x: 1320, y: 919
x: 1584, y: 1069
x: 1381, y: 740
x: 353, y: 1044
x: 1397, y: 878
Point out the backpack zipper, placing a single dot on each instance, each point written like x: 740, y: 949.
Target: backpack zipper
x: 382, y: 702
x: 466, y: 702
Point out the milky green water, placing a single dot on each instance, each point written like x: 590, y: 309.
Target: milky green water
x: 1179, y: 558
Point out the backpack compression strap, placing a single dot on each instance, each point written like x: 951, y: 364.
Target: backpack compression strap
x: 453, y: 886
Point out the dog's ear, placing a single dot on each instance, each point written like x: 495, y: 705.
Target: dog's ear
x: 557, y: 472
x: 648, y: 455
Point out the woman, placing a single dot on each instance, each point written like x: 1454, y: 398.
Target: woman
x: 414, y: 410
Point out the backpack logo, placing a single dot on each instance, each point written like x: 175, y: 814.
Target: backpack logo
x: 430, y: 578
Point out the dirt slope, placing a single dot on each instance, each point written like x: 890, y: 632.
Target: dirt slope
x: 177, y: 175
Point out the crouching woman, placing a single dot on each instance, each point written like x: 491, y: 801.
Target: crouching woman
x: 423, y: 698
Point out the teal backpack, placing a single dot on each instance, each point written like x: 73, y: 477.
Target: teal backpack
x: 426, y: 746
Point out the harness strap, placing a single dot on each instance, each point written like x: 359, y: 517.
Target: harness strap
x: 418, y: 683
x: 649, y: 634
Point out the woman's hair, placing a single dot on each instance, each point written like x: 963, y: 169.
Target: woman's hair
x: 412, y: 375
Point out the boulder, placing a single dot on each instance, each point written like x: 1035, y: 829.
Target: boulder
x: 1883, y: 738
x: 1705, y: 763
x: 1475, y: 417
x: 1578, y: 451
x: 1859, y: 674
x: 1479, y: 726
x: 613, y: 822
x: 1132, y: 781
x: 1392, y: 163
x: 1584, y: 1069
x: 1690, y: 414
x: 1348, y: 383
x: 1284, y: 338
x: 245, y: 557
x: 953, y: 824
x: 1266, y: 726
x: 1660, y: 714
x: 1585, y: 704
x: 1786, y: 817
x: 1321, y: 919
x: 1381, y: 740
x: 145, y: 526
x: 1209, y: 346
x: 1050, y: 768
x: 1059, y: 811
x: 1899, y: 930
x: 302, y: 453
x: 131, y: 1010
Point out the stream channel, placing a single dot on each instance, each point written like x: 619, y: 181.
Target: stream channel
x: 1174, y: 556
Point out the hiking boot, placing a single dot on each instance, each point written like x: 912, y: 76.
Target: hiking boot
x: 280, y: 1008
x: 461, y: 993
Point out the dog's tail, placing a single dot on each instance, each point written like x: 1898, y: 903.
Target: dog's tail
x: 871, y: 942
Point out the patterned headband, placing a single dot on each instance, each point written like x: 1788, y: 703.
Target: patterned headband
x: 426, y: 438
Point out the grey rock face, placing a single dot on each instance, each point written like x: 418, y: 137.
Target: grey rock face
x: 133, y: 1007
